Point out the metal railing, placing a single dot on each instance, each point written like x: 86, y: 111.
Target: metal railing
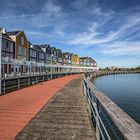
x: 110, y: 121
x: 34, y: 68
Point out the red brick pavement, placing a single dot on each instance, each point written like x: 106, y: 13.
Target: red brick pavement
x: 19, y: 107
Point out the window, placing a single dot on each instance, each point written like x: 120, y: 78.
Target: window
x: 3, y: 54
x: 48, y: 56
x: 23, y: 51
x: 41, y: 55
x: 32, y: 53
x: 19, y: 49
x: 22, y: 40
x: 11, y: 55
x: 7, y: 45
x: 3, y: 45
x: 11, y: 47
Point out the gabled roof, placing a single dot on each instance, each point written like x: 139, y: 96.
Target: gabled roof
x: 65, y: 53
x: 5, y: 36
x: 83, y: 58
x: 37, y: 47
x: 58, y: 50
x: 75, y: 55
x: 13, y: 32
x: 45, y: 46
x: 29, y: 43
x: 53, y: 48
x: 91, y: 59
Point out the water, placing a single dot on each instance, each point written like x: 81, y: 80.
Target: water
x: 124, y: 90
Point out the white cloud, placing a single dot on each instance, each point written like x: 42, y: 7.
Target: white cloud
x: 35, y: 33
x: 81, y: 29
x: 51, y: 9
x: 130, y: 62
x: 122, y: 48
x: 91, y: 38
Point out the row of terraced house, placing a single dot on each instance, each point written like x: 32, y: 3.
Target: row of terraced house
x: 15, y: 45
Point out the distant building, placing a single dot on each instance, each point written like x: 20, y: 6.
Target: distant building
x: 40, y: 54
x: 32, y: 53
x: 75, y: 59
x: 8, y: 46
x: 67, y: 57
x: 92, y: 62
x: 8, y: 50
x: 54, y: 55
x: 64, y: 59
x: 59, y: 56
x: 47, y: 49
x: 36, y: 54
x: 83, y: 61
x: 21, y: 44
x: 88, y: 62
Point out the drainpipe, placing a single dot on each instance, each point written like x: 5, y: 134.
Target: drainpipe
x: 0, y: 61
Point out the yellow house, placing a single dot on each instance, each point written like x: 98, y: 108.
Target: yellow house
x: 21, y: 44
x: 75, y: 59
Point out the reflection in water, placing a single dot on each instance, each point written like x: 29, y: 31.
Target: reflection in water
x: 124, y: 90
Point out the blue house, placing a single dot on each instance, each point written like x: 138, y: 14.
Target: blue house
x: 36, y: 54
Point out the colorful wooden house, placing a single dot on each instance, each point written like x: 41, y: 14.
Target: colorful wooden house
x: 47, y: 49
x: 54, y: 55
x: 59, y: 56
x: 67, y: 57
x: 88, y: 62
x: 8, y: 51
x: 75, y: 59
x: 40, y: 54
x: 21, y: 44
x: 32, y: 53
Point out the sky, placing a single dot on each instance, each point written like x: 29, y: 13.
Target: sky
x: 106, y: 30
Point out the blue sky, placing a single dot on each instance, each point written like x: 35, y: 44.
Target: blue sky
x: 107, y: 30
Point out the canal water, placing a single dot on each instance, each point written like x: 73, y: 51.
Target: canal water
x: 124, y: 90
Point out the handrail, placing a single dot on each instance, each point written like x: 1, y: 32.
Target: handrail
x: 125, y: 124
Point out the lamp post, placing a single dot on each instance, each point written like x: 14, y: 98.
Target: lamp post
x: 0, y: 60
x: 51, y: 64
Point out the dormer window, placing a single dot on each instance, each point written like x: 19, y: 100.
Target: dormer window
x: 22, y: 40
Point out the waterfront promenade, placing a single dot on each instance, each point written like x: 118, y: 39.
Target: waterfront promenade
x: 65, y: 116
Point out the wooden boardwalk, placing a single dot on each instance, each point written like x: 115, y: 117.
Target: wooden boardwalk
x: 65, y: 117
x: 19, y: 107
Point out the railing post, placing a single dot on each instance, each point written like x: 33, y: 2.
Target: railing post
x: 4, y: 81
x: 0, y: 61
x: 18, y: 77
x: 28, y: 75
x: 97, y: 121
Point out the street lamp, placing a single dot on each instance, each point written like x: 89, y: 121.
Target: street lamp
x: 0, y: 60
x: 51, y: 64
